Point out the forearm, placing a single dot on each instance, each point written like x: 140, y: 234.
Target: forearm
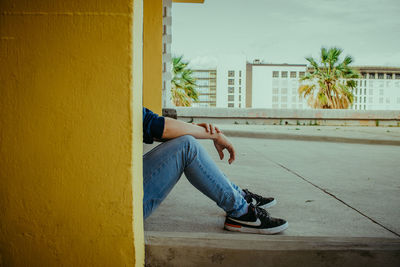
x: 175, y: 128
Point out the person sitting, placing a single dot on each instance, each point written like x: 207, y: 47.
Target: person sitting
x: 180, y: 153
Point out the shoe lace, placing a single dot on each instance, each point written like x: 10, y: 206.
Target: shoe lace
x: 262, y: 213
x: 253, y: 195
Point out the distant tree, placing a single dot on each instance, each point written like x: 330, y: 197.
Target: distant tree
x: 183, y: 91
x: 330, y: 82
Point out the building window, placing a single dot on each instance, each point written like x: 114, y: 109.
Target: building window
x: 388, y: 76
x: 240, y: 81
x: 164, y: 67
x: 231, y: 73
x: 356, y: 91
x: 364, y: 75
x: 283, y: 105
x: 275, y: 74
x: 275, y: 91
x: 164, y: 29
x: 372, y: 75
x: 165, y: 11
x: 240, y: 90
x: 240, y: 98
x: 275, y: 99
x: 231, y: 98
x: 240, y: 73
x: 365, y: 99
x: 231, y: 90
x: 380, y: 76
x: 371, y: 84
x: 284, y: 74
x: 164, y: 85
x: 164, y: 48
x: 380, y: 91
x: 293, y: 74
x: 397, y: 76
x: 301, y: 74
x: 230, y: 105
x: 365, y: 91
x: 231, y: 81
x: 294, y: 98
x: 283, y: 98
x: 284, y: 91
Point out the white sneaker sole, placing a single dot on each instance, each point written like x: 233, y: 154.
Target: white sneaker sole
x: 269, y: 231
x: 268, y: 205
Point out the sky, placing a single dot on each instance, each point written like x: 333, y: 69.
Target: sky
x: 286, y: 31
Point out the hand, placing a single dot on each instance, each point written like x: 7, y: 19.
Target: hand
x: 222, y: 143
x: 209, y: 127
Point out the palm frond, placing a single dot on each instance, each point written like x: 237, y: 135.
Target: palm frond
x: 330, y: 84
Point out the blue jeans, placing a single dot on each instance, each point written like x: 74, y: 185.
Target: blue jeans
x: 164, y: 165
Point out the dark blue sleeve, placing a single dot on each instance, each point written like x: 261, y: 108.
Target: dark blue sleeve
x: 153, y: 126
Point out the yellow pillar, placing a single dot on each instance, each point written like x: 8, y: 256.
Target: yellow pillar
x: 70, y: 138
x: 152, y: 55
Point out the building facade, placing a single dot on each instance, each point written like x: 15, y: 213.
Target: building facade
x: 378, y: 89
x: 231, y: 82
x: 166, y: 53
x: 206, y: 81
x: 276, y: 86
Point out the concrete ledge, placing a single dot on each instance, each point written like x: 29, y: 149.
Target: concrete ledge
x: 303, y: 137
x: 203, y: 249
x: 291, y: 116
x: 340, y: 114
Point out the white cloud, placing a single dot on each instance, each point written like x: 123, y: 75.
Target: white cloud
x: 203, y: 62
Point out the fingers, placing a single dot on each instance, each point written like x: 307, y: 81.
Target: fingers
x: 221, y: 154
x: 209, y: 127
x: 232, y: 154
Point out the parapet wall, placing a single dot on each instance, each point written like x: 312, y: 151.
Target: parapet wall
x: 339, y: 117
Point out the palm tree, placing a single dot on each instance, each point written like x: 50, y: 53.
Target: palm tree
x: 330, y: 82
x: 183, y: 91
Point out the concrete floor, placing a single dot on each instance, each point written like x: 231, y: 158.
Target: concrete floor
x: 322, y: 189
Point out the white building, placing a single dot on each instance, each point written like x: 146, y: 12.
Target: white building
x: 206, y: 80
x: 378, y: 89
x: 231, y: 82
x: 274, y: 86
x: 166, y: 53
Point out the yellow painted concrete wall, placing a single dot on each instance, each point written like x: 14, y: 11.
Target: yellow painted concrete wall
x: 152, y: 55
x: 70, y: 138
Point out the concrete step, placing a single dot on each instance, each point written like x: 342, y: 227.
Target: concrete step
x: 212, y: 249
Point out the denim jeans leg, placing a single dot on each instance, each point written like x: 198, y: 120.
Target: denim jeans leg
x: 164, y: 165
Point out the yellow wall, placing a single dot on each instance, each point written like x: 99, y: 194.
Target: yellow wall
x: 152, y: 55
x: 70, y: 139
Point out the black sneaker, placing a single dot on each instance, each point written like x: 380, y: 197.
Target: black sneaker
x: 256, y: 220
x: 257, y: 200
